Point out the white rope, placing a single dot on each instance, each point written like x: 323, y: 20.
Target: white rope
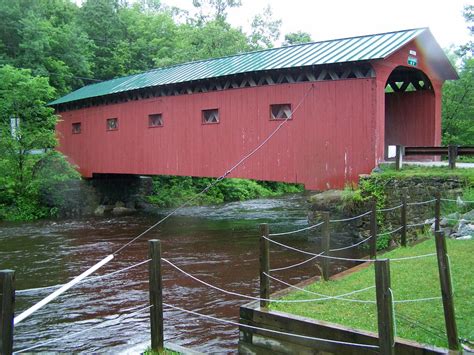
x: 348, y: 259
x: 417, y: 224
x: 390, y: 208
x: 351, y: 218
x: 269, y: 330
x: 392, y: 231
x: 419, y: 299
x: 421, y: 202
x: 82, y: 331
x: 242, y: 295
x: 313, y: 254
x: 458, y: 201
x: 458, y: 219
x: 61, y: 290
x: 94, y: 278
x: 297, y: 230
x: 450, y: 272
x: 296, y: 265
x: 412, y: 257
x: 394, y: 317
x: 339, y: 297
x: 353, y: 245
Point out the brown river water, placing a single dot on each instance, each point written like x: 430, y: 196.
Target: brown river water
x: 218, y: 244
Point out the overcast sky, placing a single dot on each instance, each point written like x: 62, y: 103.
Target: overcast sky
x: 330, y: 19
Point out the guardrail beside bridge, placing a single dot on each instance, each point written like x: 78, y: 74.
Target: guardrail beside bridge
x: 452, y: 151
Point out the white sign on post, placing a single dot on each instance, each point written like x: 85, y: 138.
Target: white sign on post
x: 392, y: 151
x: 14, y: 125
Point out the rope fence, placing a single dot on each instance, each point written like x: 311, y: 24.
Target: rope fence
x: 324, y: 255
x: 268, y: 330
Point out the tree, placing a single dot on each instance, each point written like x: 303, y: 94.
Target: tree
x: 265, y: 29
x: 23, y: 98
x: 214, y: 9
x: 458, y: 107
x: 458, y: 96
x: 296, y: 38
x: 44, y: 37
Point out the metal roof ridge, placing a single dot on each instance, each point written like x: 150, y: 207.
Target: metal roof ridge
x: 256, y: 51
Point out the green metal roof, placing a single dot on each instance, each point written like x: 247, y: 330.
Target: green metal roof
x: 370, y: 47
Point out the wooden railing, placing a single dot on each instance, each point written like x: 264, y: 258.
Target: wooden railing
x: 452, y: 151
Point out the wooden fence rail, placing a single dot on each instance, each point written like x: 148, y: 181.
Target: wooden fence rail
x: 452, y: 151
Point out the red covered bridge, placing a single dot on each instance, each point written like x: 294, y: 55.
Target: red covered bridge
x: 351, y: 98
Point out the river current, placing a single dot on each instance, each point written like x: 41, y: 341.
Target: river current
x: 218, y: 244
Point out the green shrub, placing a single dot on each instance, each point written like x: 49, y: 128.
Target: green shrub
x: 170, y: 191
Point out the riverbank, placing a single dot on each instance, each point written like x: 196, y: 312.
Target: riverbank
x: 411, y: 279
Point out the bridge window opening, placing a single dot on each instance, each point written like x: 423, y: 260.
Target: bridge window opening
x: 155, y: 120
x: 280, y: 112
x: 112, y: 124
x: 76, y: 128
x: 210, y: 116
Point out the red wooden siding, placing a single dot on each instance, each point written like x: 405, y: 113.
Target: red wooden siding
x: 409, y: 118
x: 337, y: 133
x: 323, y: 139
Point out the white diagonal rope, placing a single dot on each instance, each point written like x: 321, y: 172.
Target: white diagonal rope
x: 392, y: 231
x: 86, y: 280
x: 222, y: 177
x: 339, y: 297
x: 390, y: 208
x: 313, y: 254
x: 394, y: 318
x: 141, y: 310
x: 353, y: 245
x: 296, y: 231
x: 417, y: 224
x: 350, y: 218
x: 412, y: 257
x: 348, y: 259
x: 419, y: 299
x: 458, y: 201
x: 268, y: 330
x: 298, y: 264
x: 458, y: 219
x: 61, y: 290
x: 242, y: 295
x: 421, y: 202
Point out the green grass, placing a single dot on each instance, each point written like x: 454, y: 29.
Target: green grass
x: 411, y: 279
x: 164, y: 352
x: 388, y: 171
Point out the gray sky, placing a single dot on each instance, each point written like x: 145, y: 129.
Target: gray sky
x: 330, y: 19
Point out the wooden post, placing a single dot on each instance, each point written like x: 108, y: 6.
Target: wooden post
x: 156, y: 295
x: 264, y: 265
x: 403, y: 222
x: 384, y: 307
x: 437, y: 210
x: 400, y: 152
x: 373, y: 230
x: 446, y: 291
x: 326, y: 244
x: 7, y: 308
x: 452, y: 155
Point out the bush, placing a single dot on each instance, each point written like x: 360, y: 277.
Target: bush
x: 170, y: 191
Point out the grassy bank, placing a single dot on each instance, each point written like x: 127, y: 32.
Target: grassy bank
x: 172, y: 191
x: 411, y: 279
